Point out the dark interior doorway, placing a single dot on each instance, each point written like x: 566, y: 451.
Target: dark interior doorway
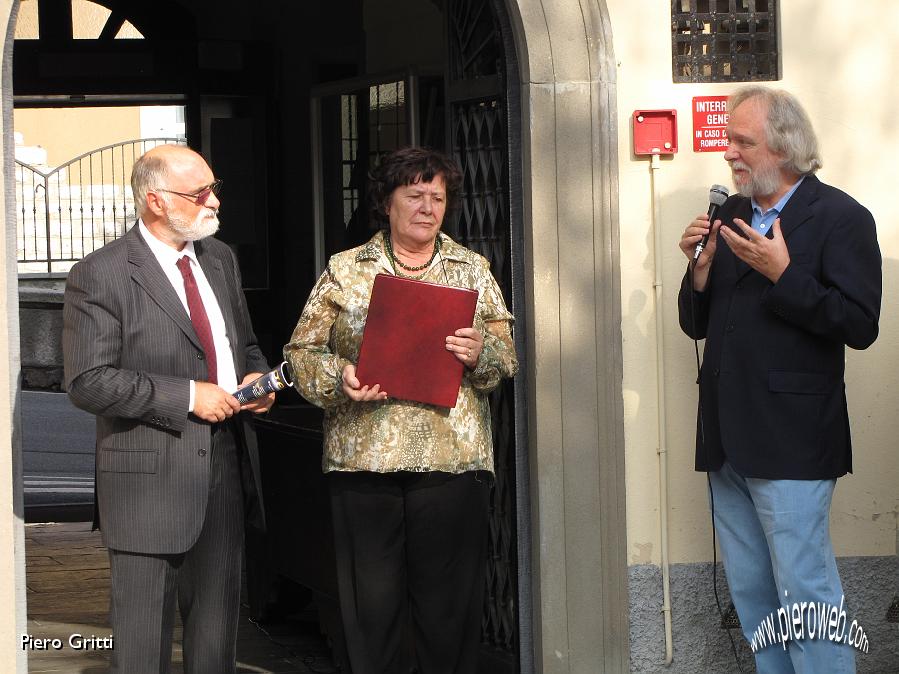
x: 291, y: 103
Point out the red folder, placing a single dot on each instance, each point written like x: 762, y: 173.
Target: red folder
x: 404, y: 342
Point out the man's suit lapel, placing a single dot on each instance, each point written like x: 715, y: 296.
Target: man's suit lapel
x: 147, y: 273
x: 798, y: 210
x: 215, y: 274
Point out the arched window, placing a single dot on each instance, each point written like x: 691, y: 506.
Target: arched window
x: 86, y: 21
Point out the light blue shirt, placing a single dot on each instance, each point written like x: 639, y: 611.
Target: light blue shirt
x: 761, y: 222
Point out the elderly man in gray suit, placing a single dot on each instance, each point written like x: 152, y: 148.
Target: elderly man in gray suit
x: 156, y: 337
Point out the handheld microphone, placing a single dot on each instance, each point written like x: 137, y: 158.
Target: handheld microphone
x: 717, y: 196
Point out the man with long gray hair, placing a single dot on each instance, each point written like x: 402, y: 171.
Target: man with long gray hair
x: 790, y: 276
x: 156, y: 336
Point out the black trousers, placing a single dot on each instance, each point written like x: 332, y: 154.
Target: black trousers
x: 411, y: 559
x: 204, y: 581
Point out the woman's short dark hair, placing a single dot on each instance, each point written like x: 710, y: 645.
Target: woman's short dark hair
x: 408, y: 166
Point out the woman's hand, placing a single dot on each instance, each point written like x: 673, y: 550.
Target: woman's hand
x: 355, y: 391
x: 466, y: 345
x: 260, y: 405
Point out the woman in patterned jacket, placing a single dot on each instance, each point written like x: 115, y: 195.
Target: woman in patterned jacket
x: 409, y: 482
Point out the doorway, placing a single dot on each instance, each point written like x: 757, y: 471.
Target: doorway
x: 246, y: 83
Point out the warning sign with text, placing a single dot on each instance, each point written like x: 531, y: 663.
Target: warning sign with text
x: 709, y: 123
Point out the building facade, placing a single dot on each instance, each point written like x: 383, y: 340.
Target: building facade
x: 607, y: 509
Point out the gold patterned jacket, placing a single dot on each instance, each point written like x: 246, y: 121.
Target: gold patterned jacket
x: 392, y: 435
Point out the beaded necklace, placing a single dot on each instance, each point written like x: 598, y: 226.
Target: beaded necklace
x: 394, y: 260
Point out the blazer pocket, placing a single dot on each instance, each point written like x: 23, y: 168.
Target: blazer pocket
x: 127, y: 460
x: 807, y: 383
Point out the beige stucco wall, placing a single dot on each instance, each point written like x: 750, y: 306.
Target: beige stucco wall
x: 849, y: 91
x: 66, y: 133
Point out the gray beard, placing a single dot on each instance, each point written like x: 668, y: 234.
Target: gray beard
x: 762, y: 182
x: 205, y: 224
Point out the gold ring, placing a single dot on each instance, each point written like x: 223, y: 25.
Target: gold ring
x: 469, y: 353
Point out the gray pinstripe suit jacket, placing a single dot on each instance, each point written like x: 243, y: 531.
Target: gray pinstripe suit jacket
x: 129, y: 351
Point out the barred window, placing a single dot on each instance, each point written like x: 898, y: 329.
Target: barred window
x: 724, y: 40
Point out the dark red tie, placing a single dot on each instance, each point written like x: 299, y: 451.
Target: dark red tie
x: 198, y: 317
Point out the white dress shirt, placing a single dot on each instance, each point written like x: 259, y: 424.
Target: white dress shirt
x: 168, y: 259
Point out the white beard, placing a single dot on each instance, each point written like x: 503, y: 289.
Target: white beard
x: 762, y: 181
x: 205, y: 224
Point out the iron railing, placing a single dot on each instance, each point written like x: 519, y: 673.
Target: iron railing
x: 81, y: 205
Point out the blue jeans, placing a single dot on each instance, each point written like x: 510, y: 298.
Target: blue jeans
x: 774, y: 537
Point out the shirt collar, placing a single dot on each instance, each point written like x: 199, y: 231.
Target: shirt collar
x: 164, y: 252
x: 779, y: 206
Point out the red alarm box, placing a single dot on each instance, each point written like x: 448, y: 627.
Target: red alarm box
x: 655, y: 131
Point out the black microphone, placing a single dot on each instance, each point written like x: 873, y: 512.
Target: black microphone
x: 717, y: 196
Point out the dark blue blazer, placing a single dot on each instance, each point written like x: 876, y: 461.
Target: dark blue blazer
x: 772, y: 399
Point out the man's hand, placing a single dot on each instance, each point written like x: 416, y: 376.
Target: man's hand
x: 212, y: 403
x: 260, y: 405
x: 354, y: 390
x: 697, y: 229
x: 769, y: 257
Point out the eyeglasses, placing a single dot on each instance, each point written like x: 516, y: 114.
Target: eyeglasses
x: 201, y: 196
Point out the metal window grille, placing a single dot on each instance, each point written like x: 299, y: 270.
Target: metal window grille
x: 480, y: 144
x: 387, y: 132
x: 387, y: 118
x: 724, y: 40
x: 354, y: 123
x: 349, y: 150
